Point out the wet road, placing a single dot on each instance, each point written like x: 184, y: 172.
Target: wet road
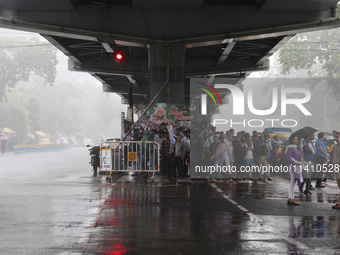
x: 51, y: 204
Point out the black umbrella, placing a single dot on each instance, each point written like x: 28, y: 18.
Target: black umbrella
x: 303, y: 132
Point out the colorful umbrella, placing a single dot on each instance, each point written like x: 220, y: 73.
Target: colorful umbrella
x: 40, y: 133
x: 7, y: 130
x: 4, y: 138
x: 31, y: 136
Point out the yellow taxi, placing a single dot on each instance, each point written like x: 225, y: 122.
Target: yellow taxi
x: 283, y: 138
x: 44, y: 141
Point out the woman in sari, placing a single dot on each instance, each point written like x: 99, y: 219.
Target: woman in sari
x: 294, y: 164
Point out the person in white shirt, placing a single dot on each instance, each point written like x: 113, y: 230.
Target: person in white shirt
x: 229, y: 142
x: 249, y: 153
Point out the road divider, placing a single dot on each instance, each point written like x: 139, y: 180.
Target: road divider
x: 24, y: 149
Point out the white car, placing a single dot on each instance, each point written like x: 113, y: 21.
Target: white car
x: 113, y: 139
x: 88, y: 142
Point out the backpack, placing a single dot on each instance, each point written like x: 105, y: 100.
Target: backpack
x: 306, y: 153
x: 263, y: 150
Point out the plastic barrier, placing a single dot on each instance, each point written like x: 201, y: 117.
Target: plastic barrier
x: 23, y: 149
x: 130, y: 156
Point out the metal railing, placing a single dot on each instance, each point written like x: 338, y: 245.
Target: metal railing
x: 130, y: 156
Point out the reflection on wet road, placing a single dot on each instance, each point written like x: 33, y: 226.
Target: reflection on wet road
x: 53, y: 205
x: 196, y: 218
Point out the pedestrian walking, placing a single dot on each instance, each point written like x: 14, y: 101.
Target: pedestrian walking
x: 294, y: 164
x: 3, y: 146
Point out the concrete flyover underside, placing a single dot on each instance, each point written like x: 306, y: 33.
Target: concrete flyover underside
x: 199, y: 38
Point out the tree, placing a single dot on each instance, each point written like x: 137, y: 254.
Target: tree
x: 34, y: 111
x: 61, y: 109
x: 20, y: 56
x: 14, y: 114
x: 316, y: 52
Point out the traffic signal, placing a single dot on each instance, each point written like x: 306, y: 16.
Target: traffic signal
x: 119, y: 56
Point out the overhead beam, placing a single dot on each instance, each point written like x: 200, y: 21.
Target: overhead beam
x: 227, y: 68
x: 108, y: 66
x: 110, y: 88
x: 226, y: 53
x: 278, y: 46
x: 127, y: 25
x: 61, y: 48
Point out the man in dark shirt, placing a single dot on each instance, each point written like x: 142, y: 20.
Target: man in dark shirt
x: 238, y: 152
x: 256, y: 145
x: 165, y: 148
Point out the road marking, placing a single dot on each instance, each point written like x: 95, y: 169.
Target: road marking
x: 92, y: 222
x: 296, y: 243
x: 242, y: 208
x: 232, y: 201
x: 254, y: 217
x: 219, y: 190
x: 225, y: 196
x: 85, y: 238
x: 77, y: 253
x: 289, y: 239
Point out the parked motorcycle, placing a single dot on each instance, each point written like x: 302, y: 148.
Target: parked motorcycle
x: 95, y: 157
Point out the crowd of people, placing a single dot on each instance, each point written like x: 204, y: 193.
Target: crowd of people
x: 202, y: 146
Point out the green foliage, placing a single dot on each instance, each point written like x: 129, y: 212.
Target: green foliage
x: 316, y: 52
x: 19, y: 57
x: 14, y: 113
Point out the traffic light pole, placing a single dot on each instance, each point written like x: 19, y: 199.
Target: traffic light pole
x: 159, y: 92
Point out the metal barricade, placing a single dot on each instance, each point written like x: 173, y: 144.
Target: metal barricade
x: 130, y: 156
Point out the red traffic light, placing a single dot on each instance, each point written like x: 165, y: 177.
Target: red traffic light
x: 119, y: 56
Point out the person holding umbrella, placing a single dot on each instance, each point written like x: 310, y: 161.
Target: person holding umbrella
x: 306, y: 148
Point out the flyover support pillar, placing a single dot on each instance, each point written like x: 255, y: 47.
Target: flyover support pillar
x: 158, y: 72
